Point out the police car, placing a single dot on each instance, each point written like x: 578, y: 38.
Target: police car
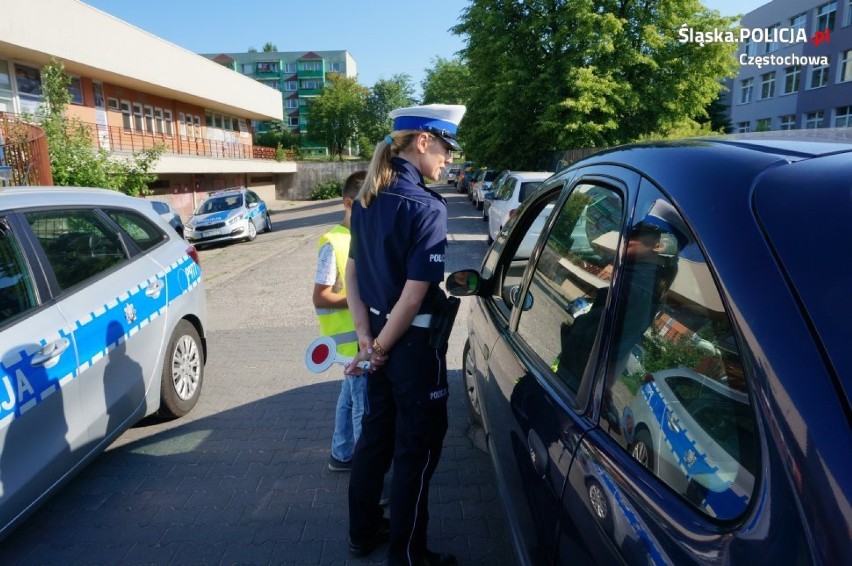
x: 231, y: 214
x: 102, y: 322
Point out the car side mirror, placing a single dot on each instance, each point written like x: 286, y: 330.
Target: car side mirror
x: 253, y: 205
x: 463, y: 283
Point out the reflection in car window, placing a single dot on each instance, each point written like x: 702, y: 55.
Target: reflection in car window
x: 16, y: 287
x: 676, y: 397
x: 78, y: 244
x: 560, y: 320
x: 139, y: 228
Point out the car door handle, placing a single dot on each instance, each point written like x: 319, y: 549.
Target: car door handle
x: 48, y: 356
x: 538, y: 453
x: 154, y: 289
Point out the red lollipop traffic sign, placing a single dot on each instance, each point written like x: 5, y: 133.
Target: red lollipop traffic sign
x: 322, y: 354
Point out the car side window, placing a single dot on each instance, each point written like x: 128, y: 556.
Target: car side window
x: 78, y: 244
x: 17, y: 294
x: 565, y: 299
x: 676, y: 395
x: 140, y: 229
x: 250, y: 198
x: 507, y: 189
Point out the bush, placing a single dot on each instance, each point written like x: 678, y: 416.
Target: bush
x: 327, y: 190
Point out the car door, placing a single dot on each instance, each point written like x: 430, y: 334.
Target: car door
x: 116, y: 299
x: 537, y: 384
x: 41, y: 431
x: 674, y: 455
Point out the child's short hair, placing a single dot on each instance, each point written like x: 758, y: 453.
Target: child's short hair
x: 353, y: 184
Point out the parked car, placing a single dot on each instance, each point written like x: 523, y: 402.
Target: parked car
x: 465, y: 175
x: 639, y: 370
x: 481, y: 186
x: 453, y: 175
x: 169, y: 214
x: 514, y: 190
x: 102, y: 322
x: 488, y: 196
x: 228, y: 215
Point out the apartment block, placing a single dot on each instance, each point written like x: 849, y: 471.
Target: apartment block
x: 298, y: 76
x: 135, y: 90
x: 795, y: 68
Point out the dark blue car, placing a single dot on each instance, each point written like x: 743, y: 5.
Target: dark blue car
x: 664, y: 372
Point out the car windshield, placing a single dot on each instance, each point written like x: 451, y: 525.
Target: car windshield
x: 218, y: 204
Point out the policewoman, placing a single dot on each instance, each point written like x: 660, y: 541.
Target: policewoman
x: 396, y: 262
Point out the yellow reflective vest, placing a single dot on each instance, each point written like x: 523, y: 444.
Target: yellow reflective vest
x: 337, y: 323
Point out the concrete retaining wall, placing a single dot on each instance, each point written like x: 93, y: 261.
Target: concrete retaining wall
x: 308, y: 174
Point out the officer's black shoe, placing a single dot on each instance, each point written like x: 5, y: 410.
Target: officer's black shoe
x: 365, y: 547
x: 438, y: 559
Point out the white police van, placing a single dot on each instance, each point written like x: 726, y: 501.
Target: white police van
x: 102, y: 322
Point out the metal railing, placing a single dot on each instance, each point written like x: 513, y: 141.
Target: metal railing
x: 23, y: 153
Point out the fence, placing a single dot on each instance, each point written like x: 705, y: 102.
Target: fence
x: 23, y: 153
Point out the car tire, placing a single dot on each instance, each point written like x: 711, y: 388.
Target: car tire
x: 252, y: 230
x: 268, y: 227
x: 469, y: 379
x: 479, y: 205
x: 484, y: 215
x: 490, y: 240
x: 642, y: 448
x: 183, y: 372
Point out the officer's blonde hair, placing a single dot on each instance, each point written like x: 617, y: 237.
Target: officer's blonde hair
x: 380, y: 174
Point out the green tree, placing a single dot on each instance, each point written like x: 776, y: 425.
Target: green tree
x: 278, y: 134
x: 446, y: 82
x: 269, y: 47
x: 386, y: 94
x: 74, y: 161
x: 334, y: 114
x: 550, y: 75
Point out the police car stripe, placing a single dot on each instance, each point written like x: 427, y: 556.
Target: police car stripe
x: 23, y: 386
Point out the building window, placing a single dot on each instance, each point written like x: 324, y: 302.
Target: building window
x: 208, y: 119
x: 743, y: 127
x: 844, y: 70
x: 293, y: 120
x: 310, y: 66
x: 248, y: 69
x: 843, y: 117
x: 825, y: 16
x: 335, y: 67
x: 112, y: 104
x: 291, y: 103
x: 818, y: 77
x: 814, y: 120
x: 167, y: 121
x: 270, y: 84
x: 847, y: 11
x: 158, y: 120
x: 792, y: 75
x: 767, y: 85
x: 748, y: 47
x: 138, y: 124
x: 75, y: 89
x: 289, y: 67
x: 291, y: 86
x: 771, y: 46
x: 787, y: 122
x: 746, y: 88
x: 126, y: 120
x: 310, y: 85
x: 266, y: 67
x: 149, y: 119
x: 763, y: 125
x: 798, y: 21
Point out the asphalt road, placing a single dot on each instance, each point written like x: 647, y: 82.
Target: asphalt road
x: 243, y: 478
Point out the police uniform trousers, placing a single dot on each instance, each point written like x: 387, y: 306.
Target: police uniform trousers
x: 405, y: 421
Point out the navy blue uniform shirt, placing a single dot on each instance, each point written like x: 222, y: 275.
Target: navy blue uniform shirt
x: 402, y: 235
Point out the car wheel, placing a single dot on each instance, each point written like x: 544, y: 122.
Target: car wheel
x: 484, y: 215
x: 183, y: 372
x: 268, y: 227
x: 599, y: 504
x: 252, y: 230
x: 642, y: 449
x: 469, y: 377
x: 479, y: 204
x: 490, y: 240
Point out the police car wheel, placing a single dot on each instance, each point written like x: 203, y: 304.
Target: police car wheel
x: 252, y: 231
x: 183, y: 372
x: 643, y: 448
x: 469, y: 377
x: 268, y: 227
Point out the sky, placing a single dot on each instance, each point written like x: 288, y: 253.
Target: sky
x: 385, y: 37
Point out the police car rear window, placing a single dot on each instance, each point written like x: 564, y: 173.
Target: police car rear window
x: 140, y: 229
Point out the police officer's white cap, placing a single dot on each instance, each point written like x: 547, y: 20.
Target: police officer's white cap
x: 441, y: 120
